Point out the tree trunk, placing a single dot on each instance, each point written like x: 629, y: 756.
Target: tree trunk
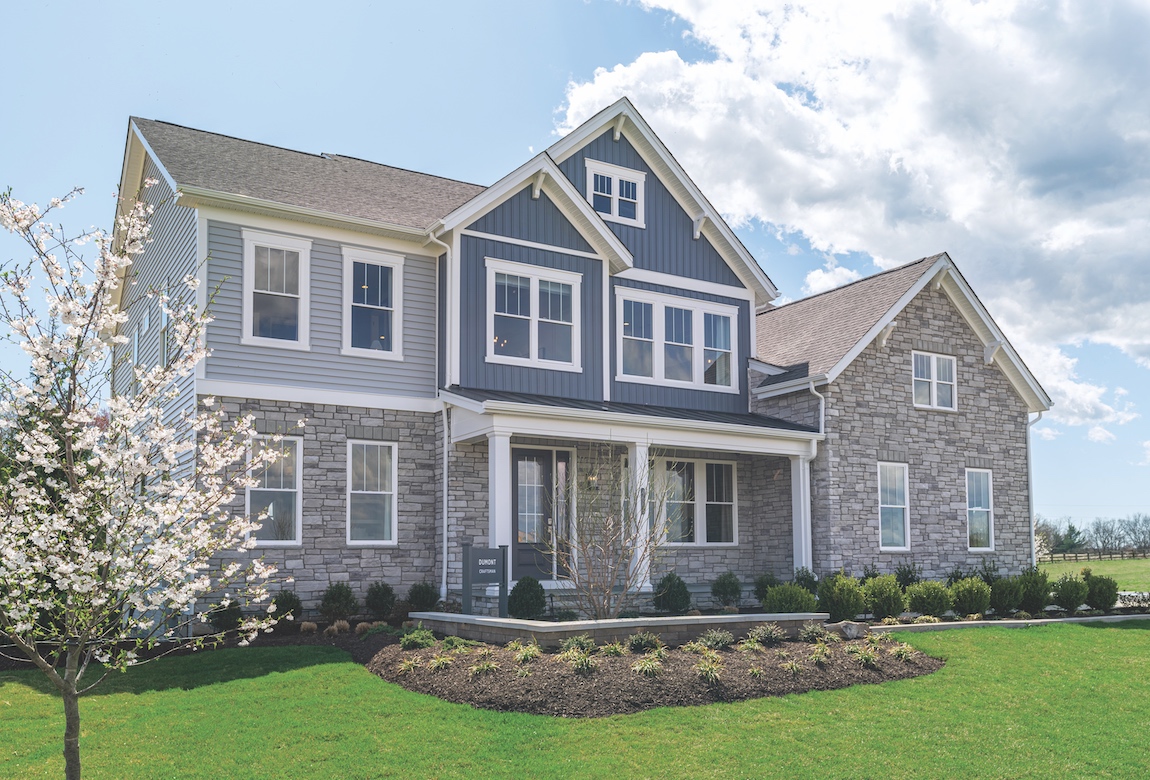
x: 71, y: 736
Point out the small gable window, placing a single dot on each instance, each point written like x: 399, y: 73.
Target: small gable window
x: 934, y: 381
x: 616, y: 192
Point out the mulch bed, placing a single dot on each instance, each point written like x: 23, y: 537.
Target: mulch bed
x: 552, y: 687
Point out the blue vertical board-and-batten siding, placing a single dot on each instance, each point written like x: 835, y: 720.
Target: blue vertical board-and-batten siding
x: 667, y: 244
x: 530, y: 219
x: 678, y: 397
x: 476, y: 372
x: 321, y: 367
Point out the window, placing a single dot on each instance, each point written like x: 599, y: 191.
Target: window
x: 616, y: 192
x: 979, y: 510
x: 276, y: 290
x: 277, y: 492
x: 137, y: 337
x: 934, y: 382
x: 165, y: 356
x: 659, y: 341
x: 533, y: 316
x: 894, y: 529
x: 700, y: 502
x: 373, y: 304
x: 371, y: 494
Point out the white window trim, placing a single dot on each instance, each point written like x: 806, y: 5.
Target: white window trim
x: 394, y: 447
x: 352, y: 255
x: 906, y: 508
x: 291, y: 244
x: 298, y: 542
x: 934, y: 358
x: 660, y: 464
x: 615, y: 172
x: 990, y: 486
x: 698, y: 308
x: 536, y: 274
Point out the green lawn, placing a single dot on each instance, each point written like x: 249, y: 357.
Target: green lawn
x: 1133, y: 574
x: 1055, y: 701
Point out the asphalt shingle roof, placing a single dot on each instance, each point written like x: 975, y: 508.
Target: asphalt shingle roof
x: 812, y: 335
x: 331, y: 183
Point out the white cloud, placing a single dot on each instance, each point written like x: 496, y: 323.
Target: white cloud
x: 828, y: 277
x: 1046, y: 433
x: 1100, y: 435
x: 1011, y: 134
x: 1146, y: 457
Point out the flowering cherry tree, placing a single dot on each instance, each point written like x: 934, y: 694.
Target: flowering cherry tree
x: 115, y: 528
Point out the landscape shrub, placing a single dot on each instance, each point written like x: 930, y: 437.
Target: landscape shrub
x: 869, y: 572
x: 767, y: 634
x: 423, y: 596
x: 989, y: 572
x: 338, y: 602
x: 789, y: 597
x: 288, y: 603
x: 1005, y: 595
x: 1022, y: 615
x: 417, y: 639
x: 642, y: 641
x: 928, y: 598
x: 727, y: 590
x: 762, y: 582
x: 580, y: 644
x: 907, y: 574
x: 884, y: 597
x: 717, y: 639
x: 805, y: 578
x: 842, y: 596
x: 970, y: 596
x: 1102, y: 594
x: 526, y: 600
x: 227, y: 618
x: 380, y: 600
x: 671, y: 594
x: 564, y: 615
x: 1035, y: 590
x: 1069, y: 592
x: 957, y: 574
x: 813, y: 632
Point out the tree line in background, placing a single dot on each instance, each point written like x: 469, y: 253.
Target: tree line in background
x: 1104, y: 535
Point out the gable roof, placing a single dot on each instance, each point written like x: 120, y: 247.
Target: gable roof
x: 813, y: 340
x: 203, y: 163
x: 625, y: 119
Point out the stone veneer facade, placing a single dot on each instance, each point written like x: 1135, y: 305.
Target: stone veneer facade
x: 870, y: 417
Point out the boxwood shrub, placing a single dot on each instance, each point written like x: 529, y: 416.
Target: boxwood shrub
x: 526, y: 600
x: 1035, y: 590
x: 671, y: 594
x: 338, y: 602
x: 1069, y: 592
x: 789, y: 597
x: 1005, y: 595
x: 884, y: 597
x: 727, y: 590
x: 928, y: 598
x: 970, y: 596
x: 423, y: 596
x: 842, y: 596
x: 1103, y: 593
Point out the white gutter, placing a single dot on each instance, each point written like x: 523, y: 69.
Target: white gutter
x: 1030, y: 488
x: 782, y: 388
x: 822, y: 408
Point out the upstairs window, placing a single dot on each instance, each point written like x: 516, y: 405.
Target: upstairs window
x: 659, y: 341
x: 373, y: 304
x: 276, y: 294
x: 533, y: 316
x: 616, y: 192
x: 934, y: 381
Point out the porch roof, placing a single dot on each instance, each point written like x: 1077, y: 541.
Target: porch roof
x: 638, y: 410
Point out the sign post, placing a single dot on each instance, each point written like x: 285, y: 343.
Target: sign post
x: 484, y: 566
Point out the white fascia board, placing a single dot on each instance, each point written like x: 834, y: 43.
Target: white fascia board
x: 689, y: 197
x: 201, y: 197
x: 790, y: 386
x: 939, y: 266
x: 1007, y: 359
x: 222, y: 388
x: 683, y: 282
x: 557, y: 422
x: 561, y: 191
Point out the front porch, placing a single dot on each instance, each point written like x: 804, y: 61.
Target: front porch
x: 737, y: 496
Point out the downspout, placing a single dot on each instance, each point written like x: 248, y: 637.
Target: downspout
x: 431, y: 239
x: 1030, y: 488
x: 822, y: 408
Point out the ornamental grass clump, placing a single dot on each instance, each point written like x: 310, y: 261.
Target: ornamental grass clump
x: 820, y: 653
x: 864, y: 655
x: 928, y: 598
x: 709, y: 670
x: 794, y: 667
x: 884, y: 597
x: 648, y: 666
x: 525, y: 654
x: 717, y: 639
x: 789, y: 597
x: 1005, y: 596
x: 1069, y: 592
x: 842, y: 596
x: 970, y: 596
x: 613, y: 650
x: 727, y: 590
x: 767, y: 634
x: 581, y: 643
x: 483, y: 668
x: 642, y: 641
x: 813, y: 631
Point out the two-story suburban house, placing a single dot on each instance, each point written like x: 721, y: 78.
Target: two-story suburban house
x: 458, y: 351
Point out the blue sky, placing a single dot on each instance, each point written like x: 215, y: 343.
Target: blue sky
x: 838, y: 139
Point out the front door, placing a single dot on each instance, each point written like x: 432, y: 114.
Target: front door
x: 540, y: 504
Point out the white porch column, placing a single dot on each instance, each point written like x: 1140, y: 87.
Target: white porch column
x: 801, y: 511
x: 499, y: 519
x: 638, y: 458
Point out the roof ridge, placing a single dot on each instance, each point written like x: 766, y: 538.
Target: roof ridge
x: 902, y: 267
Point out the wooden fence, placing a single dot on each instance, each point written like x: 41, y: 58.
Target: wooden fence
x: 1094, y: 555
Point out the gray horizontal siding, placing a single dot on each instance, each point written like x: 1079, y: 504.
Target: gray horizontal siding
x: 167, y: 260
x: 322, y: 367
x: 654, y: 395
x: 476, y: 372
x: 667, y: 244
x: 529, y: 219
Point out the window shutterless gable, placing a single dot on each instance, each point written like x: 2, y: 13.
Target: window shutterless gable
x: 372, y: 304
x: 277, y: 295
x: 935, y: 381
x: 617, y: 193
x: 533, y: 316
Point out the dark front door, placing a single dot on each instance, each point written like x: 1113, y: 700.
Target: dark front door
x: 539, y: 501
